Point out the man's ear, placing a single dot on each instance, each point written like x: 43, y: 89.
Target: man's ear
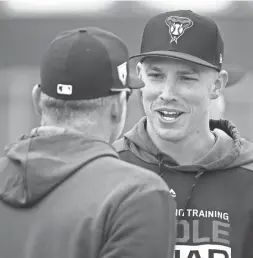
x: 36, y: 94
x: 138, y: 70
x: 118, y: 106
x: 219, y: 84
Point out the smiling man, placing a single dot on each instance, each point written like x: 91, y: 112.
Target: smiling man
x: 176, y: 100
x: 206, y: 163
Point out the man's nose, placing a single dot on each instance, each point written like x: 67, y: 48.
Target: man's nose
x: 169, y: 90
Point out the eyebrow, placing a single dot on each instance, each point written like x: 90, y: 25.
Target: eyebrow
x: 153, y: 68
x: 192, y: 71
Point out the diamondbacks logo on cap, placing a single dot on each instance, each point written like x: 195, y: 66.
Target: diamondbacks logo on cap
x: 64, y: 89
x: 177, y: 26
x: 122, y: 72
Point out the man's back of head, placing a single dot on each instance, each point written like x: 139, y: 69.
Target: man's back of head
x: 84, y: 77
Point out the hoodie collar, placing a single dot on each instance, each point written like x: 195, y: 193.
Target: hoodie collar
x: 42, y: 160
x: 225, y: 151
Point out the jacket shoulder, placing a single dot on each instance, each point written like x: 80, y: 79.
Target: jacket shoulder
x: 140, y: 201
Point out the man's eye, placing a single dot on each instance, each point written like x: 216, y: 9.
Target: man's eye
x: 156, y: 75
x: 184, y: 78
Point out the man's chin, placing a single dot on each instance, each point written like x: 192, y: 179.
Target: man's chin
x: 171, y: 135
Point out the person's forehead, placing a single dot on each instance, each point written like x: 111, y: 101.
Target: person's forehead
x: 163, y: 62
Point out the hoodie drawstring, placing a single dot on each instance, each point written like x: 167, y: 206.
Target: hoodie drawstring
x: 160, y: 158
x: 187, y: 202
x: 196, y: 179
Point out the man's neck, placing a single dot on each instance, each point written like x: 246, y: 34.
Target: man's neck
x: 187, y: 151
x: 92, y: 131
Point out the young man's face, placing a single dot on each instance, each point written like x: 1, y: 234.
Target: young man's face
x: 177, y: 96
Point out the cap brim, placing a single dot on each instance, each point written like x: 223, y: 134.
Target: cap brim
x: 174, y: 55
x: 235, y: 73
x: 133, y: 83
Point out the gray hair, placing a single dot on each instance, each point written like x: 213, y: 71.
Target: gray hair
x: 61, y: 111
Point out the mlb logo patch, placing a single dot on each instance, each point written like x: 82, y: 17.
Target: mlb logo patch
x: 64, y: 89
x: 122, y: 72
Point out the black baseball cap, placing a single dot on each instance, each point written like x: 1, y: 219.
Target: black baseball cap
x: 86, y: 63
x: 183, y: 35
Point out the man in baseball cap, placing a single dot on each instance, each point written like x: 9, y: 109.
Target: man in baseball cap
x: 64, y: 191
x: 205, y: 162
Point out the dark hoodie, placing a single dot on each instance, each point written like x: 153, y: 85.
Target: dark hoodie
x: 63, y: 196
x: 214, y: 196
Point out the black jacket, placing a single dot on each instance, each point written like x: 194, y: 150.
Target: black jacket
x: 214, y: 197
x: 63, y: 196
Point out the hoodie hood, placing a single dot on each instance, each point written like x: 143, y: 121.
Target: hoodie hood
x: 229, y: 150
x: 41, y: 161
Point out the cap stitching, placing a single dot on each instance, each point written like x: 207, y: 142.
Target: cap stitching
x: 109, y: 58
x: 67, y: 58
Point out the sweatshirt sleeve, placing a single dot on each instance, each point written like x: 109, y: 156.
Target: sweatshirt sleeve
x: 143, y: 226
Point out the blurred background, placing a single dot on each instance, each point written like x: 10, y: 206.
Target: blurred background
x: 27, y: 27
